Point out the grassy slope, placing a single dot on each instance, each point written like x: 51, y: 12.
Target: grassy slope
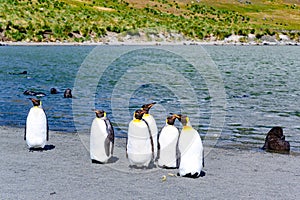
x: 282, y: 15
x: 82, y: 20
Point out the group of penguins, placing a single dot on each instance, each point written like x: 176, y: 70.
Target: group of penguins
x: 170, y: 148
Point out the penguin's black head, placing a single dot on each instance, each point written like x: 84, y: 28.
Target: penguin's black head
x: 35, y: 102
x: 138, y: 114
x: 100, y: 113
x: 146, y: 107
x: 171, y: 119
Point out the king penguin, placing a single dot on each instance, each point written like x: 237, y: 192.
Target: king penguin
x: 140, y: 148
x: 36, y: 130
x: 190, y: 148
x: 167, y: 143
x: 101, y: 138
x: 152, y: 124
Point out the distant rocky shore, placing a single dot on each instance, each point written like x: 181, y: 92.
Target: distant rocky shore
x: 140, y: 38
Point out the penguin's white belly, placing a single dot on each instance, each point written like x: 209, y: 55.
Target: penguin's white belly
x: 138, y: 144
x: 36, y: 128
x: 154, y: 132
x: 191, y: 152
x: 97, y: 141
x: 168, y: 141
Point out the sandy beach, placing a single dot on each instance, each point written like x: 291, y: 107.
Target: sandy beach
x: 66, y: 172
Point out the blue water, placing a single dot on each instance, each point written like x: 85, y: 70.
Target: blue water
x: 261, y: 85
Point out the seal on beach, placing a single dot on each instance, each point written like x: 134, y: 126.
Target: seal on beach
x: 152, y: 124
x: 139, y: 148
x: 68, y: 93
x: 32, y: 93
x: 190, y: 150
x: 275, y: 141
x: 36, y: 130
x: 102, y: 138
x: 53, y: 91
x: 167, y: 144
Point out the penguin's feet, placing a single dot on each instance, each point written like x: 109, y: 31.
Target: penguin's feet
x: 196, y: 175
x: 138, y: 166
x: 166, y: 167
x: 97, y: 162
x: 32, y: 149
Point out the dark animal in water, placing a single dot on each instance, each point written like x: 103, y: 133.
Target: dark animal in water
x: 53, y: 91
x: 275, y: 141
x: 68, y: 93
x: 24, y: 72
x: 32, y: 93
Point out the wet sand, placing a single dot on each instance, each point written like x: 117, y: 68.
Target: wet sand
x: 66, y: 172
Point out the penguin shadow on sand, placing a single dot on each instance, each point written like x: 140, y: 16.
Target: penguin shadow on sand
x: 47, y: 147
x: 151, y: 165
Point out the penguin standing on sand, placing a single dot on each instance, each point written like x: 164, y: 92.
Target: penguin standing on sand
x: 190, y: 149
x: 167, y: 144
x: 140, y: 149
x: 101, y: 138
x: 36, y: 130
x: 152, y: 124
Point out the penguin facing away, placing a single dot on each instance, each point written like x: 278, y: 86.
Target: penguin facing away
x: 140, y: 149
x: 190, y: 149
x: 167, y: 143
x: 101, y: 138
x: 36, y: 130
x: 152, y: 124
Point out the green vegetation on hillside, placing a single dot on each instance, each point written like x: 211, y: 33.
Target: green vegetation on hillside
x: 83, y: 20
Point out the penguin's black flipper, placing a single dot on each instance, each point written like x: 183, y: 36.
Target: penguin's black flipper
x: 111, y: 133
x: 107, y: 145
x: 126, y: 147
x: 203, y: 158
x: 25, y: 132
x: 47, y: 131
x: 151, y: 138
x: 178, y: 154
x: 158, y: 145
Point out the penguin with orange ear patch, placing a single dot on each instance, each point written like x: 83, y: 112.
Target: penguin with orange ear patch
x: 190, y: 148
x: 152, y: 124
x: 101, y: 138
x: 36, y: 130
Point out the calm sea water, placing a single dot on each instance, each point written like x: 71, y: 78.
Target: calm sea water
x: 261, y: 88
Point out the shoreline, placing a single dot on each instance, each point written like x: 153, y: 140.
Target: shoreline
x: 153, y: 43
x: 66, y: 172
